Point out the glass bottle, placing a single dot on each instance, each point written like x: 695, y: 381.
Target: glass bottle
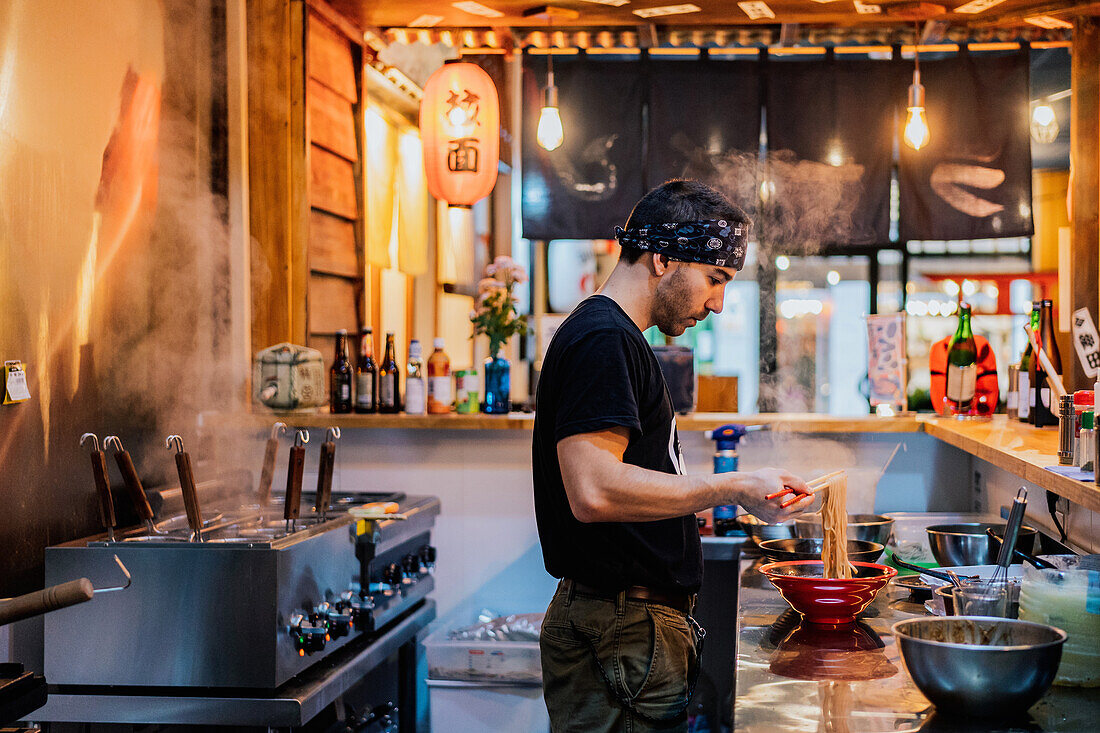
x: 962, y: 367
x: 1043, y: 412
x: 440, y: 399
x: 339, y: 376
x: 416, y: 396
x: 389, y: 380
x: 366, y: 375
x: 1023, y: 377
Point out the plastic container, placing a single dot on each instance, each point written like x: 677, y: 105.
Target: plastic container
x: 1068, y: 598
x: 475, y: 707
x: 482, y: 661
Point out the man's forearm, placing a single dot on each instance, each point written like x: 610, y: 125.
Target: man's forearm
x: 622, y: 492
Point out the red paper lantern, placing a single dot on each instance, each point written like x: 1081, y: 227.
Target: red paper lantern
x: 460, y: 131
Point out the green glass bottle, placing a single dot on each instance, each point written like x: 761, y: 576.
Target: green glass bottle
x: 962, y: 367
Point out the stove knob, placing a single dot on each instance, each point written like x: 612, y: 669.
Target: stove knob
x: 339, y: 624
x: 392, y: 575
x: 411, y: 565
x: 427, y: 557
x: 308, y: 637
x: 359, y: 611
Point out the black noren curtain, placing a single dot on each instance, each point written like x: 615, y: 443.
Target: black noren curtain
x: 973, y: 179
x: 587, y: 186
x: 704, y: 123
x: 830, y: 139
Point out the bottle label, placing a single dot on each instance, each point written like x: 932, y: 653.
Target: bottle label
x: 1044, y: 395
x: 439, y: 390
x: 960, y: 382
x: 386, y: 390
x: 1012, y: 401
x: 345, y: 391
x: 364, y: 390
x: 1023, y: 389
x: 414, y: 396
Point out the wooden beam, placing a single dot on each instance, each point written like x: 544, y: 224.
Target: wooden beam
x: 1085, y: 180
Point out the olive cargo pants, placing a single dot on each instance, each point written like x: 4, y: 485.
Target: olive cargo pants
x: 617, y: 664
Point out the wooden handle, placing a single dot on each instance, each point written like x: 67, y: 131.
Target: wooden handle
x: 267, y: 471
x: 324, y: 476
x: 133, y: 485
x: 190, y: 494
x: 292, y: 505
x: 103, y: 489
x: 47, y: 599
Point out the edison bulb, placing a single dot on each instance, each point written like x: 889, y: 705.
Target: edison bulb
x: 550, y: 134
x: 1044, y: 124
x: 916, y: 128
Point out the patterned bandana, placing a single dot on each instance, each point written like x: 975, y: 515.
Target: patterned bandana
x: 711, y: 241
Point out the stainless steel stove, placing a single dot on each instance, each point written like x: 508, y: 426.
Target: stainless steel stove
x: 236, y: 626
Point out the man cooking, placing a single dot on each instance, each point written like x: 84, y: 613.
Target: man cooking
x: 616, y: 514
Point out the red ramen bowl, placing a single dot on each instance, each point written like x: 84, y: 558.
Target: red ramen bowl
x: 827, y: 601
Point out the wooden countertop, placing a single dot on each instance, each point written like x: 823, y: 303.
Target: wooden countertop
x: 793, y: 422
x: 1017, y: 448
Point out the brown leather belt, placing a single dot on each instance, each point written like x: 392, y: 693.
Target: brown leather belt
x: 683, y: 602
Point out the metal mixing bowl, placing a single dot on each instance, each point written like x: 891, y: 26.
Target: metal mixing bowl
x: 759, y: 531
x: 869, y: 527
x: 968, y: 544
x: 809, y: 548
x: 980, y: 666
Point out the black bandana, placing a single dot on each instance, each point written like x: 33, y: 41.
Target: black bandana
x: 711, y: 241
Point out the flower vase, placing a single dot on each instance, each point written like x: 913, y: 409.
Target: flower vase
x: 498, y: 384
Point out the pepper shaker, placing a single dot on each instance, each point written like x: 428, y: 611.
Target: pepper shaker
x: 1067, y: 421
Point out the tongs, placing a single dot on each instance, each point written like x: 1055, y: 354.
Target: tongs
x: 938, y: 574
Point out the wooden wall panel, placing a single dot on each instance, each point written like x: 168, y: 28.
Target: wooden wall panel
x: 332, y: 245
x: 334, y: 304
x: 331, y: 121
x: 277, y: 188
x: 330, y: 59
x: 332, y: 184
x: 1085, y: 159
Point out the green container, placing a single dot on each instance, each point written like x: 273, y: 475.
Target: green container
x: 466, y: 392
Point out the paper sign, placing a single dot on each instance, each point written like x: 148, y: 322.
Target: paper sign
x: 756, y: 10
x: 867, y: 8
x: 886, y: 362
x: 15, y: 383
x: 1086, y: 342
x: 666, y: 10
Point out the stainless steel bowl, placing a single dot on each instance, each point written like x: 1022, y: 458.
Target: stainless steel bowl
x: 980, y: 666
x: 759, y: 531
x: 968, y: 544
x: 869, y: 527
x: 809, y: 548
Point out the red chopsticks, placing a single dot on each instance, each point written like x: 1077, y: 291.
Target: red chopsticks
x: 816, y: 485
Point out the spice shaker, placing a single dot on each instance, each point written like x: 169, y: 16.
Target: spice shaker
x: 1084, y: 456
x: 1067, y: 419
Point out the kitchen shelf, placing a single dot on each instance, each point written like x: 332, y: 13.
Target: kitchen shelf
x: 1017, y: 448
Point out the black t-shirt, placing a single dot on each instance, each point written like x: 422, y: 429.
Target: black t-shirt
x: 600, y: 373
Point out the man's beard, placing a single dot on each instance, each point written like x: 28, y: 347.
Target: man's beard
x: 670, y: 311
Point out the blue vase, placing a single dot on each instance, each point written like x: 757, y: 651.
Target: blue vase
x: 498, y: 386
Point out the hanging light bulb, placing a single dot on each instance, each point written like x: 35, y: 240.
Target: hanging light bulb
x: 916, y: 125
x: 1044, y: 123
x: 550, y: 133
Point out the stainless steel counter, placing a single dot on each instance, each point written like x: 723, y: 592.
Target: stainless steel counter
x: 792, y: 677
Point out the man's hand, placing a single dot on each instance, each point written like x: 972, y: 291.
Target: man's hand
x: 769, y: 481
